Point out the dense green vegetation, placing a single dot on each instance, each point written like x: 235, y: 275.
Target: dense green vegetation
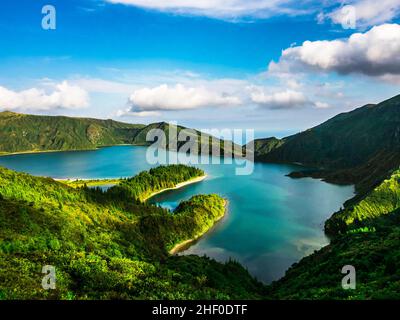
x: 265, y: 145
x: 20, y: 132
x: 77, y: 183
x: 382, y: 200
x: 206, y: 144
x: 141, y: 186
x: 372, y: 247
x: 106, y: 248
x: 32, y: 133
x: 361, y: 146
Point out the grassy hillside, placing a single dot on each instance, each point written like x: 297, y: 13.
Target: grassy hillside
x: 346, y: 147
x: 20, y: 132
x: 29, y: 133
x: 266, y: 145
x: 104, y: 248
x: 206, y: 144
x: 382, y: 200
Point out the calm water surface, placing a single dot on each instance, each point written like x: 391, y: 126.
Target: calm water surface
x: 272, y: 220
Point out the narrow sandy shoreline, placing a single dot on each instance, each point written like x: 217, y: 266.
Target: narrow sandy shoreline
x: 4, y: 154
x: 80, y: 179
x: 182, y: 246
x: 179, y: 185
x: 42, y: 151
x: 100, y: 182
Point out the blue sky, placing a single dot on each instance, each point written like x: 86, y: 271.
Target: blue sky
x: 235, y: 63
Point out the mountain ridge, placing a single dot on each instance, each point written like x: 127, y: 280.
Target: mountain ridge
x: 20, y: 133
x: 343, y: 148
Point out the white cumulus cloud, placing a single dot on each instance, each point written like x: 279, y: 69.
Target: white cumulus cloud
x: 63, y: 95
x: 374, y: 53
x: 222, y: 8
x: 321, y: 105
x: 287, y: 99
x: 369, y: 12
x: 178, y: 97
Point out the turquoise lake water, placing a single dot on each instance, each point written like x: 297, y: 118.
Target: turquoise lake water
x: 272, y: 220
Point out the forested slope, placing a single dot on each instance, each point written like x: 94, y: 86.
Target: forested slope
x: 361, y: 146
x: 104, y: 248
x: 33, y: 133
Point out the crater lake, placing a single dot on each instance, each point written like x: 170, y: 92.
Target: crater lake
x: 272, y: 221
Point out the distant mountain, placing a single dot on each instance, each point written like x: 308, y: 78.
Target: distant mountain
x: 265, y: 145
x: 215, y: 145
x: 21, y: 132
x: 361, y: 146
x: 30, y: 133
